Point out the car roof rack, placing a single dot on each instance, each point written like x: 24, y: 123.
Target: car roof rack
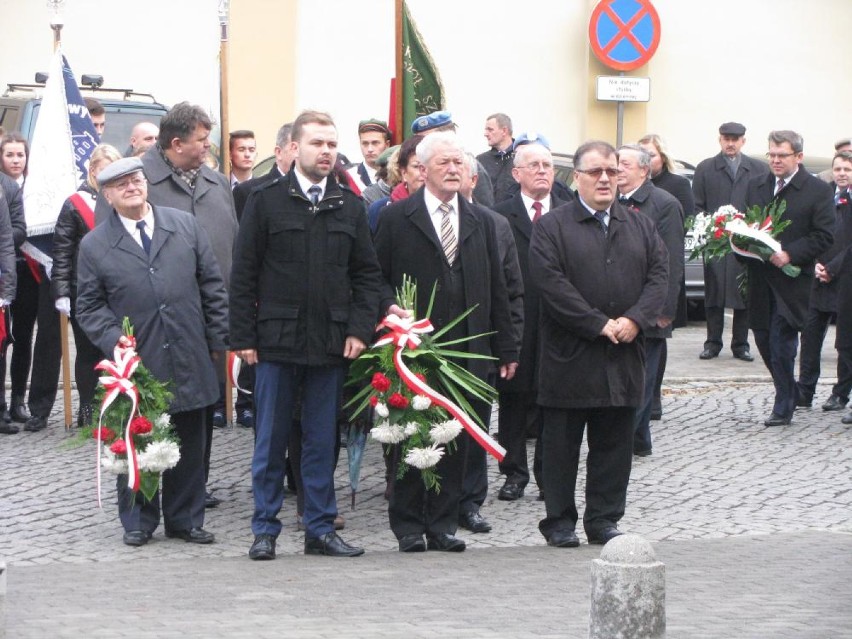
x: 126, y: 94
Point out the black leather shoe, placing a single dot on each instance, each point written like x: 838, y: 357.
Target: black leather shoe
x: 444, y: 542
x: 5, y: 415
x: 563, y: 539
x: 510, y: 492
x: 219, y: 418
x: 193, y: 535
x: 604, y: 535
x: 643, y: 453
x: 708, y: 353
x: 540, y: 495
x: 136, y: 537
x: 474, y: 522
x: 35, y: 424
x: 776, y: 420
x: 7, y: 429
x: 744, y: 354
x: 847, y: 419
x: 18, y: 412
x: 245, y: 418
x: 412, y: 543
x: 834, y: 403
x: 211, y: 501
x: 656, y: 414
x: 331, y: 545
x: 804, y: 402
x: 263, y: 548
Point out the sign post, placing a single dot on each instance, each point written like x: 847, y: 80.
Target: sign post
x: 624, y: 35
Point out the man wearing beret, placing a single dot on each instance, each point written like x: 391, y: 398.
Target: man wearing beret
x: 720, y: 180
x: 154, y: 265
x: 374, y: 137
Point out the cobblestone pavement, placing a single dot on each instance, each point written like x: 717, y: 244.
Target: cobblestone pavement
x: 754, y: 525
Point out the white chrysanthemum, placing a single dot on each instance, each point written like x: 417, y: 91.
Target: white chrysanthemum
x: 113, y: 464
x: 382, y: 410
x: 421, y: 402
x: 162, y: 421
x: 159, y: 456
x: 444, y: 432
x: 387, y: 433
x: 423, y: 458
x: 410, y: 428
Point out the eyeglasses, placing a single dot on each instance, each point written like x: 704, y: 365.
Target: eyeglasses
x: 779, y: 156
x: 596, y: 173
x: 535, y: 167
x: 136, y: 182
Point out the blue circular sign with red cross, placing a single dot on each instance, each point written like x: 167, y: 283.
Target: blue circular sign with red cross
x: 624, y: 34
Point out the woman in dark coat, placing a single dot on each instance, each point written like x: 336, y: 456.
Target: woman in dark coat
x: 77, y: 218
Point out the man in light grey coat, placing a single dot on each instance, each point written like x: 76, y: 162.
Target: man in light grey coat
x: 155, y: 266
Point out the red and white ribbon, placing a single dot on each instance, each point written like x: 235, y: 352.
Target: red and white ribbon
x: 234, y: 365
x: 762, y: 233
x: 403, y: 333
x: 117, y: 382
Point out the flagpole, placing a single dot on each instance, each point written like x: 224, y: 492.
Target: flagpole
x: 226, y: 157
x: 398, y: 133
x: 56, y: 24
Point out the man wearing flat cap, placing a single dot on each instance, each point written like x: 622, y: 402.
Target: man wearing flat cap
x: 154, y: 265
x: 720, y: 180
x: 374, y: 137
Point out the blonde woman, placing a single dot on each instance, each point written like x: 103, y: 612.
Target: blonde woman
x: 77, y: 218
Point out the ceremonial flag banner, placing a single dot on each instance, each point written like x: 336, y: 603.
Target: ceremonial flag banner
x: 62, y: 143
x: 422, y: 92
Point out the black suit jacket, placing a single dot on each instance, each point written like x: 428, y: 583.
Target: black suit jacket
x: 407, y: 244
x: 244, y: 189
x: 810, y: 209
x: 515, y: 212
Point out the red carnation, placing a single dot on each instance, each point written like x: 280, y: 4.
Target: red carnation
x: 141, y: 426
x: 420, y: 376
x: 119, y: 447
x: 718, y: 233
x: 107, y: 434
x: 720, y: 220
x: 381, y: 383
x: 397, y: 401
x: 374, y: 400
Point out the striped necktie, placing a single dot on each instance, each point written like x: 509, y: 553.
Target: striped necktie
x: 448, y: 236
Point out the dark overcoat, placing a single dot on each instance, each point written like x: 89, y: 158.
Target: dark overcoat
x: 304, y: 279
x: 666, y: 213
x: 525, y: 379
x: 210, y: 201
x: 584, y: 278
x: 175, y: 299
x: 407, y: 244
x: 824, y: 295
x: 840, y: 268
x: 810, y: 210
x: 713, y: 187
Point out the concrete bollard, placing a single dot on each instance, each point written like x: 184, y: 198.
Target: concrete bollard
x: 628, y: 591
x: 2, y: 600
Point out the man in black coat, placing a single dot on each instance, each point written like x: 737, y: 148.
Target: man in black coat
x: 469, y: 274
x: 638, y: 194
x: 778, y: 303
x: 519, y: 412
x: 284, y: 157
x: 498, y: 160
x: 720, y: 180
x: 602, y: 276
x: 304, y: 295
x: 823, y: 303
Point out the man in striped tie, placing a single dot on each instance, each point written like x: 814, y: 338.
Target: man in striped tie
x: 436, y: 237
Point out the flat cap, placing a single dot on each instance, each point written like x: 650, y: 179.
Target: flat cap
x: 432, y: 121
x: 380, y: 126
x: 118, y: 169
x: 530, y: 137
x: 732, y: 128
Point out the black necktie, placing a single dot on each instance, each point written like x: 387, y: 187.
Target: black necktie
x: 146, y: 241
x: 600, y: 216
x: 314, y: 193
x: 624, y: 199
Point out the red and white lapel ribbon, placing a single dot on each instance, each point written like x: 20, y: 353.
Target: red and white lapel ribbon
x: 403, y: 333
x: 116, y: 383
x: 234, y: 365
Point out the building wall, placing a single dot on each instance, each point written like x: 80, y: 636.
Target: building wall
x: 767, y: 63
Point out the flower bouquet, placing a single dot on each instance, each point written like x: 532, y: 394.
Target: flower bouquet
x: 134, y: 432
x: 751, y: 234
x: 417, y: 392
